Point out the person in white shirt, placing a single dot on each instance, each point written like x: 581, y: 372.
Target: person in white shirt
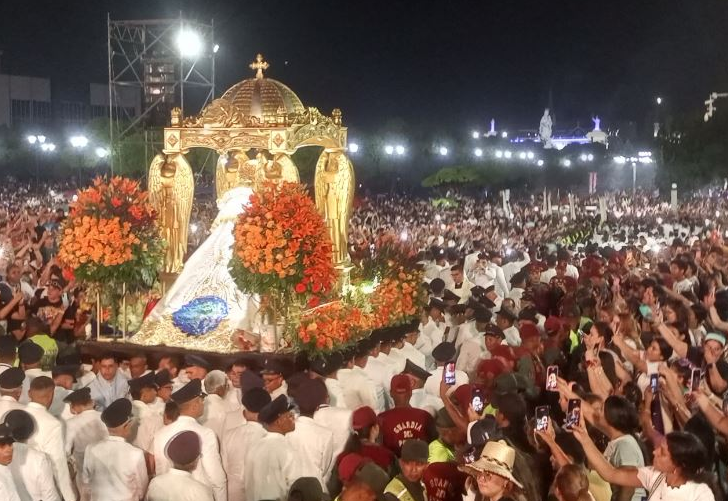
x: 472, y: 259
x: 83, y: 429
x: 550, y: 272
x: 505, y: 319
x: 314, y: 443
x: 326, y: 368
x: 209, y: 470
x: 146, y: 421
x: 234, y: 371
x: 30, y: 356
x: 271, y: 468
x: 358, y: 389
x: 273, y: 381
x: 444, y: 353
x: 48, y: 436
x: 473, y: 349
x: 64, y: 377
x: 420, y: 398
x: 11, y: 387
x: 461, y: 285
x: 516, y: 263
x: 238, y: 440
x: 31, y: 469
x: 183, y: 451
x: 378, y: 371
x: 411, y: 338
x: 109, y: 384
x: 8, y: 491
x: 216, y: 386
x: 114, y: 469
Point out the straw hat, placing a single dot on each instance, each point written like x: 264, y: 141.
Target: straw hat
x: 497, y: 457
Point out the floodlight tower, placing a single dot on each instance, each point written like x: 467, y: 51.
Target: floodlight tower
x: 163, y: 62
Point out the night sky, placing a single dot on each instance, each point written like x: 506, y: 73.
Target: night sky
x: 447, y: 64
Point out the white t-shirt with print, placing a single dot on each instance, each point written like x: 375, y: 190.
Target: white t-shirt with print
x: 689, y: 491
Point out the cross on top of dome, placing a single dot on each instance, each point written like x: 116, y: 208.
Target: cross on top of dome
x: 259, y: 64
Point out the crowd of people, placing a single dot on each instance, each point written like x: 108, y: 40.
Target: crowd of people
x: 573, y: 356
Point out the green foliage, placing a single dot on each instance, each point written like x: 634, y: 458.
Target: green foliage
x: 452, y: 176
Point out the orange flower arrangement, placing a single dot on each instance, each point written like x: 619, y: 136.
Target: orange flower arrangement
x: 282, y: 245
x: 329, y: 327
x: 111, y: 235
x: 397, y: 299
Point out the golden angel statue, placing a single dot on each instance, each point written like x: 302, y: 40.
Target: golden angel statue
x: 171, y: 189
x: 278, y: 170
x: 233, y: 170
x: 334, y: 183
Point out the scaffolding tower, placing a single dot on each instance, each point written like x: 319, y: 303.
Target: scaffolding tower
x: 169, y: 62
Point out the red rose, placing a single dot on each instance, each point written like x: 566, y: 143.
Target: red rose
x: 300, y: 288
x: 316, y: 287
x: 313, y: 302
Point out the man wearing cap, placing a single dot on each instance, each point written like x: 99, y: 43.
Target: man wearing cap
x: 443, y: 353
x: 48, y: 436
x: 209, y: 471
x: 505, y: 319
x: 31, y: 469
x: 11, y: 387
x: 336, y: 419
x: 529, y: 363
x: 273, y: 381
x: 407, y: 486
x: 358, y: 389
x: 30, y: 355
x: 327, y: 367
x: 183, y: 451
x: 238, y: 440
x: 83, y: 429
x: 196, y: 367
x: 216, y: 386
x: 234, y: 372
x: 146, y: 422
x: 473, y: 349
x: 8, y: 491
x: 461, y: 285
x: 442, y: 449
x: 404, y: 421
x: 378, y: 370
x: 163, y: 381
x: 109, y: 384
x: 113, y: 468
x: 271, y: 469
x: 64, y: 377
x: 433, y: 326
x: 314, y: 443
x: 411, y: 337
x: 420, y: 398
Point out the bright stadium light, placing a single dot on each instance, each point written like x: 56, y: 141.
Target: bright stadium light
x: 522, y: 155
x: 79, y: 142
x: 189, y: 43
x: 399, y: 149
x: 353, y: 147
x: 102, y: 152
x: 582, y: 157
x: 530, y: 155
x: 540, y: 163
x: 215, y: 48
x: 478, y: 152
x: 41, y: 139
x: 620, y: 160
x: 49, y: 147
x: 659, y: 100
x: 32, y: 139
x: 442, y: 151
x: 508, y: 154
x: 504, y: 134
x: 476, y: 134
x: 498, y: 154
x: 567, y: 162
x: 389, y: 149
x: 590, y: 157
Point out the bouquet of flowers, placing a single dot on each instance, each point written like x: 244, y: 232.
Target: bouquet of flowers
x: 111, y: 236
x: 397, y: 299
x: 329, y: 326
x: 282, y: 247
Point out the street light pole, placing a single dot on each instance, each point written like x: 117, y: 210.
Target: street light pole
x: 634, y: 179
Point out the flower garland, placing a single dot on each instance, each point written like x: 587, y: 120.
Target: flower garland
x: 397, y: 299
x: 111, y: 236
x: 329, y: 326
x: 282, y: 245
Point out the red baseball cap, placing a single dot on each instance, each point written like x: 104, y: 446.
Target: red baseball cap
x: 490, y: 366
x: 350, y: 464
x: 363, y: 417
x: 552, y: 325
x: 401, y: 383
x: 529, y: 331
x: 503, y: 351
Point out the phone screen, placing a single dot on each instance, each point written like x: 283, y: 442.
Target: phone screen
x: 573, y: 415
x: 449, y: 373
x: 469, y: 455
x: 654, y: 383
x: 695, y: 380
x: 646, y: 312
x: 477, y: 400
x: 552, y: 372
x: 542, y: 418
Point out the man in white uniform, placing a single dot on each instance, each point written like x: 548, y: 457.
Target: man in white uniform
x: 30, y: 356
x: 109, y: 384
x: 326, y: 368
x: 238, y: 440
x: 113, y: 468
x: 147, y: 421
x: 8, y: 491
x: 216, y: 408
x: 31, y: 469
x: 48, y: 435
x: 83, y: 429
x: 270, y: 468
x: 209, y: 471
x: 273, y: 381
x: 11, y: 386
x: 443, y: 353
x: 183, y: 451
x: 358, y: 389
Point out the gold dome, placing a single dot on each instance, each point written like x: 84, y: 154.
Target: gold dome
x: 263, y: 97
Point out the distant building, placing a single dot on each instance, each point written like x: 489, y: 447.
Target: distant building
x: 28, y: 101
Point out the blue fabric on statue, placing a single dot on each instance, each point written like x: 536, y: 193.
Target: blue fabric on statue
x: 201, y: 315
